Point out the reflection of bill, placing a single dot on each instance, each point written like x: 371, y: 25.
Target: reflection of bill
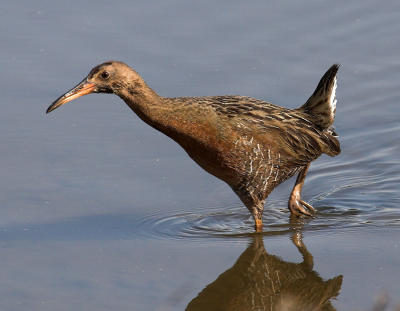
x: 260, y: 281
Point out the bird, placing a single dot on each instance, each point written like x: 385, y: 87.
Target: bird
x: 250, y: 144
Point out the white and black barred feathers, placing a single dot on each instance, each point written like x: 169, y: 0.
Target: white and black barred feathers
x: 321, y: 106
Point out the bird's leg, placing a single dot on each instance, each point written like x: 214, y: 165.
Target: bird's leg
x: 257, y: 215
x: 254, y: 205
x: 296, y: 205
x: 258, y: 224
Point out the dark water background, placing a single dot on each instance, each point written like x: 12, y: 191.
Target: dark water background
x: 98, y: 211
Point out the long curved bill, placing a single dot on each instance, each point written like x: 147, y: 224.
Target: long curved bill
x: 83, y: 88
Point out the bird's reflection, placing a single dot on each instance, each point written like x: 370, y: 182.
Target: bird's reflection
x: 262, y: 281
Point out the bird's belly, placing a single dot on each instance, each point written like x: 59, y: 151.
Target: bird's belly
x: 243, y: 161
x: 213, y: 162
x: 249, y: 168
x: 210, y: 151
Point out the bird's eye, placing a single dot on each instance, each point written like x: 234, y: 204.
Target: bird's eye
x: 105, y: 75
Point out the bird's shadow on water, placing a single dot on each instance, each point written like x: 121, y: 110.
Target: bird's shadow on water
x: 262, y: 281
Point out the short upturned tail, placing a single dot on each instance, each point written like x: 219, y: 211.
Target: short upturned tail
x: 321, y: 106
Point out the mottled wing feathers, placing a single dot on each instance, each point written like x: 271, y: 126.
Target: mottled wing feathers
x: 292, y: 131
x: 299, y: 139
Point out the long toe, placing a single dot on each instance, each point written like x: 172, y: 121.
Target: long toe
x: 308, y: 206
x: 299, y: 208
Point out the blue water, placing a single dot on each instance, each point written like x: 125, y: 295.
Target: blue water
x: 98, y: 211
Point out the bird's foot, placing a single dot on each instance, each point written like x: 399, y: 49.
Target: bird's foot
x: 298, y: 207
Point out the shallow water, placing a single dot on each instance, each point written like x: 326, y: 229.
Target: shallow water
x: 100, y: 212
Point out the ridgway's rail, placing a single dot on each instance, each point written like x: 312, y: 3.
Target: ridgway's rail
x: 250, y: 144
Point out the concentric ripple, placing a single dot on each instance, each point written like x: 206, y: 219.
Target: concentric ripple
x: 211, y: 223
x: 236, y: 221
x: 233, y: 221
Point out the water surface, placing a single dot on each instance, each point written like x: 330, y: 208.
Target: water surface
x: 101, y: 212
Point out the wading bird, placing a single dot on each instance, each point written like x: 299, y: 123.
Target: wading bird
x: 250, y: 144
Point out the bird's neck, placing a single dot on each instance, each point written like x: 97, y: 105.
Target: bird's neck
x: 148, y: 105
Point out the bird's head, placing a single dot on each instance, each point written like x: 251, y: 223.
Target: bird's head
x: 109, y: 77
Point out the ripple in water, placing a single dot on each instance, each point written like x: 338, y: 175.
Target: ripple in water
x: 202, y: 224
x: 235, y: 221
